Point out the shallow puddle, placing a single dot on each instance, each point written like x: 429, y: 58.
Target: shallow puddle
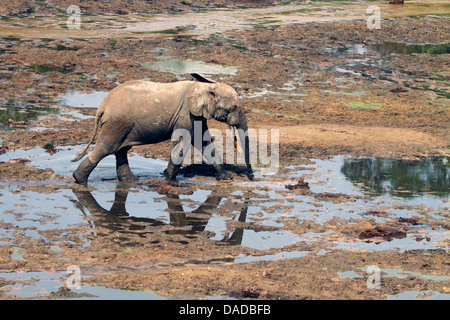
x: 420, y: 295
x: 397, y: 273
x: 179, y: 67
x: 253, y: 221
x: 388, y: 48
x: 401, y: 274
x: 363, y: 105
x: 400, y: 178
x: 17, y: 115
x: 42, y: 68
x: 391, y: 272
x: 46, y: 285
x: 397, y: 186
x: 60, y: 162
x: 374, y: 61
x: 82, y: 99
x: 203, y: 23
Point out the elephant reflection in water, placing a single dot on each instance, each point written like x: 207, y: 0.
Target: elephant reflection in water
x: 118, y: 219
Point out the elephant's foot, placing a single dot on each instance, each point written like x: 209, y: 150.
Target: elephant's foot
x: 83, y: 171
x: 170, y: 176
x: 224, y: 175
x: 122, y: 167
x: 79, y: 178
x: 172, y: 171
x: 128, y: 177
x: 124, y: 174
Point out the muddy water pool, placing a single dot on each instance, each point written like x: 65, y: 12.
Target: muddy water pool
x: 417, y: 188
x: 264, y: 219
x: 16, y: 111
x: 41, y: 285
x: 203, y: 23
x: 82, y: 100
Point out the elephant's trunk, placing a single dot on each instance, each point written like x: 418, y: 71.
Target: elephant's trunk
x: 242, y: 136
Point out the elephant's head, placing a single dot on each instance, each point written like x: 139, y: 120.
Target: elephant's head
x: 219, y: 101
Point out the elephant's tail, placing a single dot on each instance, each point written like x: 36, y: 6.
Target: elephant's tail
x: 80, y: 154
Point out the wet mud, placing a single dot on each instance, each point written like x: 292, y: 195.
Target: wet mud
x: 363, y: 178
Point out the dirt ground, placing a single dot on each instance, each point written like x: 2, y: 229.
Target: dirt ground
x: 395, y: 107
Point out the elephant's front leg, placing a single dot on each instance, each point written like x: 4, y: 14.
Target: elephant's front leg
x: 122, y: 167
x: 211, y: 157
x: 172, y: 170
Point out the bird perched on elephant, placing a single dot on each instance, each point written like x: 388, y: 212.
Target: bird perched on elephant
x: 143, y: 112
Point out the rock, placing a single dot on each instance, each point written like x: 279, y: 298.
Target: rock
x: 380, y: 232
x: 301, y: 184
x: 396, y: 2
x: 399, y: 89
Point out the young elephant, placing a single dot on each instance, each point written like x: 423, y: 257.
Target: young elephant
x: 143, y: 112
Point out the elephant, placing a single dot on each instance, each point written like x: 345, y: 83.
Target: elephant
x: 141, y: 112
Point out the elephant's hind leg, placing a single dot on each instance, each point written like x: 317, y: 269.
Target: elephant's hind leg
x: 123, y: 168
x: 83, y: 171
x: 108, y: 142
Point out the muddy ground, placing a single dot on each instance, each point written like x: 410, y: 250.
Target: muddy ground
x: 121, y: 7
x: 330, y: 90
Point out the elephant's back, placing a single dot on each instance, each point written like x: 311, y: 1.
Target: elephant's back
x: 149, y: 87
x: 139, y: 95
x: 146, y: 104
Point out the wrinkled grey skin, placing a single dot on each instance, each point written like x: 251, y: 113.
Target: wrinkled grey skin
x: 143, y: 112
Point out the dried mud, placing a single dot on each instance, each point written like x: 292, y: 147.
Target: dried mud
x: 305, y: 80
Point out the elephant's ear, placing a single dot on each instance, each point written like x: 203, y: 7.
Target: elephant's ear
x: 201, y: 78
x: 202, y: 100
